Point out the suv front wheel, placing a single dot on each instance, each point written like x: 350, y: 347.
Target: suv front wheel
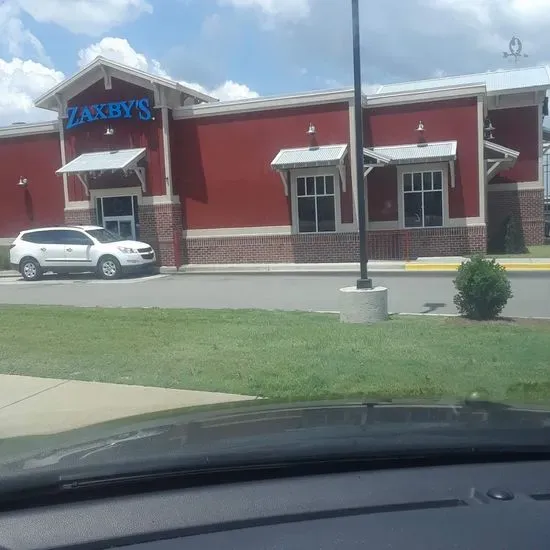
x: 108, y: 267
x: 30, y: 269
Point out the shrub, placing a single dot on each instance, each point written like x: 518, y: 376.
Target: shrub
x: 483, y: 288
x: 514, y: 243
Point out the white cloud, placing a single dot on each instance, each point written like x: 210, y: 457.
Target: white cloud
x: 229, y: 91
x: 120, y: 50
x: 288, y: 9
x: 484, y: 11
x: 17, y: 40
x: 116, y: 49
x: 91, y: 17
x: 20, y: 83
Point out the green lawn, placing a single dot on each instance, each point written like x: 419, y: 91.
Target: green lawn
x: 276, y: 354
x: 541, y: 251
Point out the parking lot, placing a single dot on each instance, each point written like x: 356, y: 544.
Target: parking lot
x: 408, y: 292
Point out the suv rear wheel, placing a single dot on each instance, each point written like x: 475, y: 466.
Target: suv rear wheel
x: 108, y: 267
x: 30, y: 269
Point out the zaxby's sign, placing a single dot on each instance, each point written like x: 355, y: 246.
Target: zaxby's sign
x: 140, y: 108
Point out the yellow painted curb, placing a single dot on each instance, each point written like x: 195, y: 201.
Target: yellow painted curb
x: 454, y: 267
x: 527, y: 267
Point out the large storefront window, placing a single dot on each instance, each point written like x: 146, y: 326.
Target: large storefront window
x: 423, y: 199
x: 316, y: 204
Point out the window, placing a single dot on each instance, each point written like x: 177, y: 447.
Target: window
x: 51, y: 236
x: 36, y: 237
x: 104, y: 236
x: 423, y: 199
x: 316, y: 204
x: 75, y: 238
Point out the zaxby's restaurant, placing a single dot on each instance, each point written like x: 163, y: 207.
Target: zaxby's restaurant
x: 446, y: 161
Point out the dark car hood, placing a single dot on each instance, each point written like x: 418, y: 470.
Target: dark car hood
x: 267, y: 427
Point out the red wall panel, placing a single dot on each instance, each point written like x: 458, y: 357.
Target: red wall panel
x: 443, y: 121
x: 518, y: 129
x: 41, y: 203
x: 221, y: 165
x: 129, y: 134
x: 382, y: 194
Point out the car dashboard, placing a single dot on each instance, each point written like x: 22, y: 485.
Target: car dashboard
x: 491, y: 505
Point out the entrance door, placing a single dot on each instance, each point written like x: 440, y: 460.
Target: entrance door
x: 121, y: 225
x: 119, y: 215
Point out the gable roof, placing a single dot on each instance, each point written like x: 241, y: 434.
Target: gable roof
x: 104, y: 68
x: 496, y: 82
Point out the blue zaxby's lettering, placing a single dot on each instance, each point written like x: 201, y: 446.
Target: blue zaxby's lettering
x: 77, y: 116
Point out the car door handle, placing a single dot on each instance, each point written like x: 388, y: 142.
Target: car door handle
x: 69, y: 249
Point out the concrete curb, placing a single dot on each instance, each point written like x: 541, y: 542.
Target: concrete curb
x: 433, y: 265
x: 454, y: 267
x: 452, y: 264
x: 288, y: 269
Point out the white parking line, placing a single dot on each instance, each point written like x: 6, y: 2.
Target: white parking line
x: 68, y: 281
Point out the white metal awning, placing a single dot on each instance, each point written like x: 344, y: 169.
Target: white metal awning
x: 106, y: 161
x: 498, y: 158
x: 310, y: 157
x: 412, y: 153
x: 442, y: 151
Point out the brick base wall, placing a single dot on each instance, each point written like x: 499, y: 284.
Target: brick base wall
x: 160, y: 225
x: 80, y: 217
x: 343, y: 247
x: 526, y: 207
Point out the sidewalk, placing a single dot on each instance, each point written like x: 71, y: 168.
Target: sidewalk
x: 30, y: 406
x: 435, y: 264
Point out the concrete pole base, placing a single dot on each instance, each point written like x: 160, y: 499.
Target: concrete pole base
x: 363, y: 305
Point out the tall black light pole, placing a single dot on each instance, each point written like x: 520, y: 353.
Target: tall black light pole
x: 363, y: 281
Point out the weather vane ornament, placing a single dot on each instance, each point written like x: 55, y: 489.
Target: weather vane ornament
x: 516, y: 49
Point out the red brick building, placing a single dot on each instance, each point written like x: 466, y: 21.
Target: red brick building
x: 269, y: 179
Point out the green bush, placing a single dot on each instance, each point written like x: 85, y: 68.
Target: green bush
x: 514, y: 243
x: 483, y: 288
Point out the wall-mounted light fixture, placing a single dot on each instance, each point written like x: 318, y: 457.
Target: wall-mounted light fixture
x: 311, y: 130
x: 23, y: 182
x: 488, y: 129
x: 421, y: 138
x: 109, y: 131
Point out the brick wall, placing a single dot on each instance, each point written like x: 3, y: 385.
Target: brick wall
x: 80, y: 217
x: 450, y: 241
x: 161, y: 227
x: 526, y: 206
x: 343, y: 247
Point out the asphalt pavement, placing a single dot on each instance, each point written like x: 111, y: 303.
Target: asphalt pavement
x: 408, y: 292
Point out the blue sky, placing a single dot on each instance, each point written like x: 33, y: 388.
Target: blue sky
x: 240, y: 48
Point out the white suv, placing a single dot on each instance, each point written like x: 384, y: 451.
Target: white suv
x: 77, y: 249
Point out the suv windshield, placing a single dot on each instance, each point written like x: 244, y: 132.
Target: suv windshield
x: 104, y: 235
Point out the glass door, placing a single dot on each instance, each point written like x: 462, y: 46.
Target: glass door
x: 119, y: 215
x: 125, y: 227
